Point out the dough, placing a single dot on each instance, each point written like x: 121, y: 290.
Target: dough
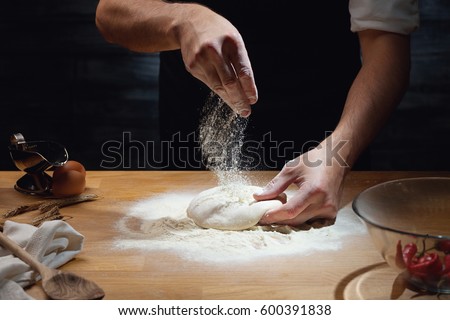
x: 229, y: 208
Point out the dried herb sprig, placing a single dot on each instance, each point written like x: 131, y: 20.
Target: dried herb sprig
x: 48, y: 209
x: 46, y: 205
x: 52, y: 214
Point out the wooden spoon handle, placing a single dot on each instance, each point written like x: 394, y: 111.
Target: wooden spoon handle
x: 22, y: 254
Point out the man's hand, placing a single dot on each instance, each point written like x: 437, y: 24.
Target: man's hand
x: 214, y: 52
x: 375, y: 92
x: 212, y: 48
x: 319, y: 179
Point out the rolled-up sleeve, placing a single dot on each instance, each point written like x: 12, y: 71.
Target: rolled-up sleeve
x: 399, y: 16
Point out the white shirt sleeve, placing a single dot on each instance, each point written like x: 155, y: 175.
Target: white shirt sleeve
x: 399, y: 16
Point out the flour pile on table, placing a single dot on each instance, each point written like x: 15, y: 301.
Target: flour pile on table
x: 160, y: 224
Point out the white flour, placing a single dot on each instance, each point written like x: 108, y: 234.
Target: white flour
x: 221, y: 134
x: 160, y: 224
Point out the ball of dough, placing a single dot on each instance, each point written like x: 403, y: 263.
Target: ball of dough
x: 229, y: 208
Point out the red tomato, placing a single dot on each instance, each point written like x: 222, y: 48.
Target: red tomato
x: 443, y: 245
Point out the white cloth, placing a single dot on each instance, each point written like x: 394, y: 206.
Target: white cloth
x: 399, y: 16
x: 54, y: 243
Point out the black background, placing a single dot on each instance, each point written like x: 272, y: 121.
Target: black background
x: 60, y: 80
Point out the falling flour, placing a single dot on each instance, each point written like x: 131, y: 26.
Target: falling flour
x: 160, y: 224
x: 221, y: 135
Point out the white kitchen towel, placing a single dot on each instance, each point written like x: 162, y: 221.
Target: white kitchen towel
x: 53, y: 243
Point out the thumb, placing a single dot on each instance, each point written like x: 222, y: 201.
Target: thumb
x: 272, y: 189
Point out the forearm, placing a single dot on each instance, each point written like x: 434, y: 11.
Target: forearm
x: 375, y: 92
x: 143, y: 25
x: 211, y: 47
x: 320, y: 172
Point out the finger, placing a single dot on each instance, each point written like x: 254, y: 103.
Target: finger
x: 230, y: 92
x: 244, y: 72
x: 204, y: 68
x: 314, y: 215
x: 297, y: 206
x: 207, y: 73
x: 238, y: 99
x: 275, y: 187
x: 282, y: 215
x: 282, y: 197
x: 224, y: 81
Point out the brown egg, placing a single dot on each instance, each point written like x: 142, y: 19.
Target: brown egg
x: 69, y: 179
x: 68, y: 166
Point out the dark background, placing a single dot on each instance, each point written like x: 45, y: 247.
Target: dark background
x: 60, y: 80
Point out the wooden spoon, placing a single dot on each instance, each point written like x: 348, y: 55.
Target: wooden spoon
x: 57, y: 284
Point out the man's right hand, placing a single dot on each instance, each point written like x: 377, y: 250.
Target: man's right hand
x: 214, y: 52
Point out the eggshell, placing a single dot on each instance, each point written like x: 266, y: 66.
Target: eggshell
x: 69, y: 183
x: 69, y: 166
x: 69, y: 179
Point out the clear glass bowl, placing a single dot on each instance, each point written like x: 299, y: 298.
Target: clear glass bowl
x: 409, y: 223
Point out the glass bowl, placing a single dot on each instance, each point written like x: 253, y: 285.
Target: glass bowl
x: 409, y: 223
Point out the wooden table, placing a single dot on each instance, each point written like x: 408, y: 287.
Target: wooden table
x: 357, y: 271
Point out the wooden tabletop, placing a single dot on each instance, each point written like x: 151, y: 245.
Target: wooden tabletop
x: 355, y: 271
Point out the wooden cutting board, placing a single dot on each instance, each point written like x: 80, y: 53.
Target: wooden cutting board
x: 355, y: 271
